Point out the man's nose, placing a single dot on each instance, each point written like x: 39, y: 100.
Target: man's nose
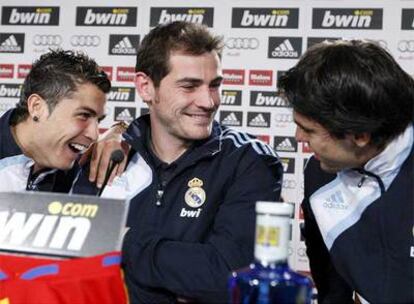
x: 300, y: 135
x: 206, y: 99
x: 92, y: 130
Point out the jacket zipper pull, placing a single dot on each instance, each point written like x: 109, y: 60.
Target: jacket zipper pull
x: 159, y: 197
x: 361, y: 182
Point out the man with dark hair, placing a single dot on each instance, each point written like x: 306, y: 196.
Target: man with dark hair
x: 193, y: 182
x: 353, y: 105
x: 56, y: 120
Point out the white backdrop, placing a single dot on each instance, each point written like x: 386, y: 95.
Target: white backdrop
x: 263, y: 39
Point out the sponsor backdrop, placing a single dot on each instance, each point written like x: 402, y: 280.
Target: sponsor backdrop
x: 262, y: 40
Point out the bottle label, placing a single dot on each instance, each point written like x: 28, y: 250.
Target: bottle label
x: 272, y: 237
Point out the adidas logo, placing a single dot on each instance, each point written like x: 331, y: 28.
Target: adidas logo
x: 124, y: 115
x: 285, y: 145
x: 231, y: 120
x: 335, y: 201
x: 259, y: 121
x: 10, y: 45
x: 124, y: 46
x: 285, y: 50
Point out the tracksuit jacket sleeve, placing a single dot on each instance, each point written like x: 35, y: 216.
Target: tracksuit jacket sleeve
x: 200, y: 270
x: 331, y: 287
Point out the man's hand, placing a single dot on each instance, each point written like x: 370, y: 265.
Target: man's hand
x: 100, y: 153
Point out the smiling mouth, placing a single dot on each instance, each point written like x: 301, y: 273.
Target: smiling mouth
x: 78, y: 148
x: 200, y: 116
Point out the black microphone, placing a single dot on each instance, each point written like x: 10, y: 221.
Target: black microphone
x: 116, y: 157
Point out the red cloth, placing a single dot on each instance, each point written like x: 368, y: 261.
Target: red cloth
x: 89, y: 280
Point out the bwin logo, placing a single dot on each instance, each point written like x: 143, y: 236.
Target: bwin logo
x: 261, y: 20
x: 121, y: 94
x: 31, y: 15
x: 330, y: 20
x: 92, y: 18
x: 52, y: 230
x: 267, y: 99
x: 106, y: 16
x: 348, y: 18
x: 28, y: 18
x: 265, y: 17
x: 10, y: 90
x: 166, y: 17
x: 230, y: 97
x: 190, y: 213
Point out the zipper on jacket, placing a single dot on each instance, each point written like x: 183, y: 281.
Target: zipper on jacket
x: 159, y: 195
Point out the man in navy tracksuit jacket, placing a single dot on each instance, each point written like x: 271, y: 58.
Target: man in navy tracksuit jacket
x: 56, y: 119
x: 193, y: 183
x: 195, y: 221
x: 354, y: 106
x: 15, y: 173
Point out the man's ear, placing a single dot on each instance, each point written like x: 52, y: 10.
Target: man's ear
x: 145, y: 87
x: 37, y: 107
x: 361, y: 140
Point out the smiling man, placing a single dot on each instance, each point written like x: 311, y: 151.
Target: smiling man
x: 193, y: 182
x: 354, y: 106
x: 56, y: 120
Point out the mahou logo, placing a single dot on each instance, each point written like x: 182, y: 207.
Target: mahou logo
x: 231, y: 77
x: 265, y: 17
x: 23, y: 70
x: 264, y: 138
x: 231, y: 97
x: 121, y: 94
x: 347, y: 18
x: 407, y: 19
x: 125, y: 74
x: 30, y: 15
x: 6, y: 70
x: 109, y: 71
x: 260, y: 77
x: 201, y: 15
x: 106, y: 16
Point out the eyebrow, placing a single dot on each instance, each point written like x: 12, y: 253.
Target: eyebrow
x: 302, y: 126
x: 197, y: 81
x: 92, y: 112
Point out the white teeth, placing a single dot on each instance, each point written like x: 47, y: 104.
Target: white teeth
x: 79, y: 147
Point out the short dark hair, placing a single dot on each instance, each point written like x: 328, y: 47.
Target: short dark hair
x: 351, y: 87
x: 155, y: 49
x: 56, y: 75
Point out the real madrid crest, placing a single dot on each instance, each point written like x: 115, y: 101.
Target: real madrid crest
x: 195, y: 195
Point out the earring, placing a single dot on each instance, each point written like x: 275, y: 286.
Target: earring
x: 35, y: 118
